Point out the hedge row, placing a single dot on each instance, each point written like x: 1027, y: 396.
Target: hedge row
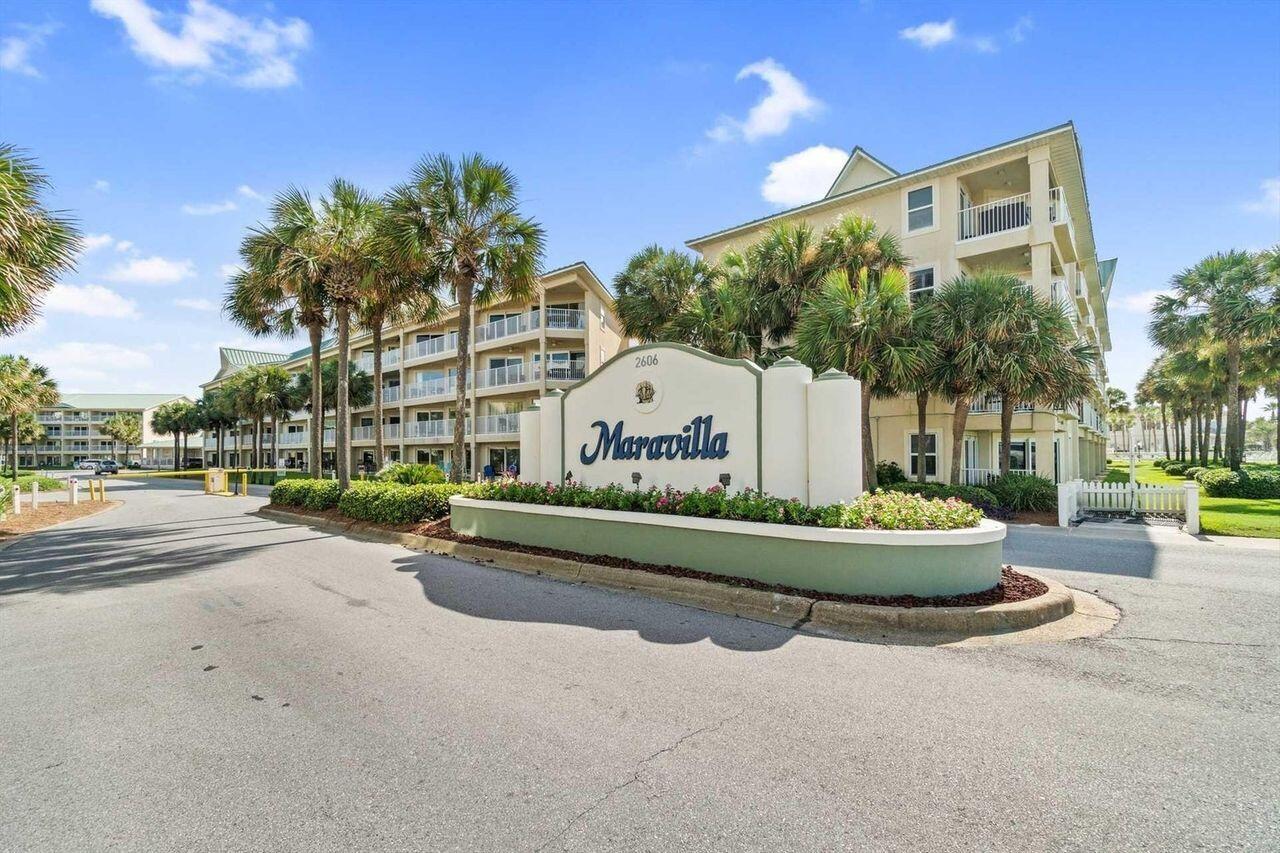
x: 1225, y: 483
x: 308, y: 494
x: 392, y: 503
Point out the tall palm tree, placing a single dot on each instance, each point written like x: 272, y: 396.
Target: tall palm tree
x: 923, y: 382
x: 655, y: 287
x: 856, y: 243
x: 394, y: 292
x: 279, y: 399
x: 862, y: 327
x: 25, y: 388
x: 360, y: 391
x: 777, y: 274
x: 281, y: 291
x: 218, y: 408
x: 970, y: 321
x: 461, y: 223
x: 168, y: 419
x: 36, y: 245
x: 25, y: 430
x: 1038, y: 360
x: 1224, y: 298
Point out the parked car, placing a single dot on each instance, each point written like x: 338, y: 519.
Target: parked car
x: 194, y: 463
x: 135, y: 464
x: 88, y: 465
x: 108, y: 466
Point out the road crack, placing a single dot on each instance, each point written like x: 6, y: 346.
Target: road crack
x: 1190, y: 642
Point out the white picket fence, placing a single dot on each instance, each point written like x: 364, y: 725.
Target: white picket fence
x: 1080, y: 496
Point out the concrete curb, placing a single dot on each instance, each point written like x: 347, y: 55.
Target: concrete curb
x: 790, y: 611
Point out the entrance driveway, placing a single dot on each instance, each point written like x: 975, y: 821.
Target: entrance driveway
x: 181, y: 674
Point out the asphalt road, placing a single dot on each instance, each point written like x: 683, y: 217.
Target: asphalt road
x: 178, y: 674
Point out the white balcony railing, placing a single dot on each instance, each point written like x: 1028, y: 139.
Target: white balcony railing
x: 440, y: 387
x: 435, y: 346
x: 511, y: 374
x: 437, y: 429
x: 1058, y: 211
x: 566, y: 318
x: 514, y: 325
x: 993, y: 217
x: 991, y: 404
x: 391, y: 395
x: 390, y: 358
x: 978, y: 476
x: 49, y: 418
x: 505, y: 424
x: 365, y: 433
x: 563, y: 371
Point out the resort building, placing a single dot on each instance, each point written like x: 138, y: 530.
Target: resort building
x: 1021, y: 206
x: 73, y: 431
x: 519, y: 352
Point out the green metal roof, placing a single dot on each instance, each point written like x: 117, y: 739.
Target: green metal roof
x: 115, y: 401
x: 246, y: 357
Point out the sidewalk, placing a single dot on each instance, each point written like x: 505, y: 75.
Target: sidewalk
x: 1167, y: 534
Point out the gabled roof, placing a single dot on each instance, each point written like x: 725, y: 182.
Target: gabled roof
x: 115, y: 401
x: 857, y: 157
x: 1107, y: 272
x: 232, y: 360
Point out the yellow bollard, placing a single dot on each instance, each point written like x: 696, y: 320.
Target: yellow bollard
x: 244, y: 484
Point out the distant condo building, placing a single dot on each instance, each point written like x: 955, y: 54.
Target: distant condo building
x: 1021, y: 206
x: 73, y: 432
x: 519, y: 352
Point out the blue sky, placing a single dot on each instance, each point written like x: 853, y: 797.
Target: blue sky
x: 165, y: 125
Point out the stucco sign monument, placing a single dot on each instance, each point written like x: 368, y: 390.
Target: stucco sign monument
x: 671, y: 415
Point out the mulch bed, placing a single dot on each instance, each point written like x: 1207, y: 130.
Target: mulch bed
x: 1044, y: 519
x: 1013, y: 586
x: 45, y: 515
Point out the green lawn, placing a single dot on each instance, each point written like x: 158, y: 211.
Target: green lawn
x: 1220, y: 516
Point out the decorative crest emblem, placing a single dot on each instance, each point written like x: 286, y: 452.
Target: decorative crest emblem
x: 645, y: 392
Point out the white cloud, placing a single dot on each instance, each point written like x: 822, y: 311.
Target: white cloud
x: 16, y: 50
x: 124, y: 246
x: 101, y: 186
x: 930, y: 34
x: 1142, y: 303
x: 209, y: 41
x: 249, y: 192
x: 94, y: 242
x: 1269, y: 203
x: 73, y: 362
x: 803, y: 176
x: 209, y: 209
x: 152, y: 270
x: 90, y: 300
x: 786, y: 99
x: 196, y: 304
x: 228, y: 270
x: 934, y: 34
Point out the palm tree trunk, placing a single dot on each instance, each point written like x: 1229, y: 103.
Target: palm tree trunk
x: 958, y: 421
x: 275, y: 441
x: 342, y: 428
x: 1006, y: 431
x: 221, y: 431
x: 1244, y: 421
x: 185, y: 435
x: 1204, y: 437
x: 13, y: 433
x: 377, y: 392
x: 1164, y: 425
x: 869, y: 479
x: 314, y: 445
x: 463, y: 292
x: 177, y: 439
x: 1217, y: 434
x: 1234, y: 454
x: 922, y: 407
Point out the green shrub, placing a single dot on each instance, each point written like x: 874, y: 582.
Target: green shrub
x: 1177, y: 469
x: 47, y: 484
x: 889, y: 472
x: 886, y: 510
x: 1225, y: 483
x: 1024, y: 492
x: 1194, y: 472
x: 392, y: 503
x: 1160, y: 463
x: 411, y: 474
x: 310, y: 494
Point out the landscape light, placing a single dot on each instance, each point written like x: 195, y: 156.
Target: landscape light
x: 724, y: 480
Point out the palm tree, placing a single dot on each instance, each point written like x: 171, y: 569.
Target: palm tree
x: 862, y: 327
x: 1225, y: 298
x: 777, y: 274
x: 218, y: 408
x: 279, y: 399
x: 25, y: 430
x: 970, y: 321
x: 394, y: 292
x: 125, y: 429
x: 36, y: 245
x: 657, y: 286
x: 360, y: 391
x: 281, y: 291
x: 25, y: 388
x: 167, y: 420
x: 461, y: 224
x: 1038, y: 360
x: 924, y: 381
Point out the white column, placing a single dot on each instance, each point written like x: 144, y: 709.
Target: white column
x: 531, y: 445
x: 784, y: 416
x: 35, y: 494
x: 551, y: 439
x: 834, y: 405
x: 73, y: 485
x: 1192, y: 496
x: 17, y: 499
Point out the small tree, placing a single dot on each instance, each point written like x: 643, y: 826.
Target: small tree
x: 20, y: 430
x: 124, y: 429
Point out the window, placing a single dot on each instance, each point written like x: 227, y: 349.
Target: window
x: 930, y: 454
x: 921, y: 286
x: 920, y: 209
x: 1022, y: 455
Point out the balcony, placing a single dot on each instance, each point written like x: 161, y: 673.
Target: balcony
x: 390, y: 432
x: 432, y: 348
x: 1006, y: 214
x: 566, y: 319
x: 563, y: 371
x: 75, y: 417
x: 499, y: 377
x: 391, y: 395
x: 991, y: 404
x: 505, y: 424
x: 390, y: 358
x: 49, y: 418
x: 515, y: 325
x: 445, y: 386
x: 437, y: 430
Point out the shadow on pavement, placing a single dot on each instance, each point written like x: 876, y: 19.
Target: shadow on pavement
x: 1131, y: 555
x: 489, y: 593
